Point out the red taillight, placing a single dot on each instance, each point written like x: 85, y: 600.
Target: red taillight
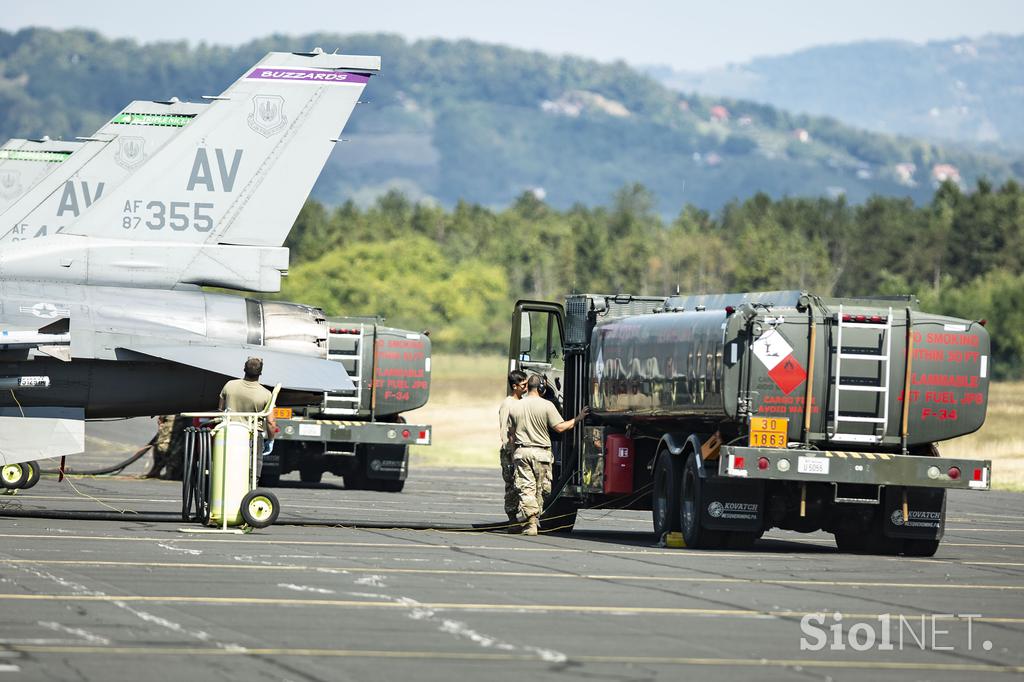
x: 738, y: 462
x: 979, y: 475
x: 423, y: 435
x: 877, y: 319
x: 847, y: 318
x: 860, y: 318
x: 405, y: 433
x: 763, y: 463
x: 954, y: 473
x: 729, y: 310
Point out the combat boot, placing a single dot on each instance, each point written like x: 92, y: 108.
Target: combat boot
x: 531, y: 526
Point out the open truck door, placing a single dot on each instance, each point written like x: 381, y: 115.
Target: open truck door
x: 536, y: 345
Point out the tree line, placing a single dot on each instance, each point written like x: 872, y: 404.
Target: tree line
x: 458, y: 272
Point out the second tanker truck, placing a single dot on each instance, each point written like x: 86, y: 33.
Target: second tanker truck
x: 727, y: 415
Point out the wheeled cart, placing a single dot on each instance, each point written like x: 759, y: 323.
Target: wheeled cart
x: 221, y: 469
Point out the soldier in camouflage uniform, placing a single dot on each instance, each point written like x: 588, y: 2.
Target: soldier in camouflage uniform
x: 517, y: 387
x: 531, y: 418
x: 168, y: 448
x: 161, y: 445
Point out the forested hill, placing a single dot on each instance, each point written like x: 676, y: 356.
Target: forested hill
x: 463, y: 120
x: 969, y: 89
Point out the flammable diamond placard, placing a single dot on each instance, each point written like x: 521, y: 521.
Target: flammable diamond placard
x: 788, y: 374
x: 776, y: 354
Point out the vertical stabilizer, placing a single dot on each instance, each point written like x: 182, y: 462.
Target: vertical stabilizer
x: 111, y: 155
x: 25, y: 163
x: 241, y: 170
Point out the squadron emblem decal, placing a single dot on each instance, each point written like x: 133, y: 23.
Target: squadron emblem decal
x: 267, y: 117
x: 10, y: 184
x: 131, y: 151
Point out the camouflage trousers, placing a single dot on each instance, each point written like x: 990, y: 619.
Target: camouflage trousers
x: 169, y: 448
x: 532, y: 479
x: 508, y: 474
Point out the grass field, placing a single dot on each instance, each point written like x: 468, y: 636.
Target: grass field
x: 466, y: 390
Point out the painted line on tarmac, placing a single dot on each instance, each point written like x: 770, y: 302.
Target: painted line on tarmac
x: 985, y: 530
x: 469, y: 606
x: 511, y: 574
x: 753, y: 554
x: 829, y: 543
x: 135, y: 651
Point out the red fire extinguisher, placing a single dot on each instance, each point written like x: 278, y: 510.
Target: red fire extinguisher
x: 618, y: 463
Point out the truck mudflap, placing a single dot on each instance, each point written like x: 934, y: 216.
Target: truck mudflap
x: 926, y: 513
x: 867, y: 468
x: 732, y: 505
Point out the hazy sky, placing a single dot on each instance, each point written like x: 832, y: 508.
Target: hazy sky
x: 684, y: 34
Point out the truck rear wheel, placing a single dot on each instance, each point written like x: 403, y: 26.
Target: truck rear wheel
x: 851, y: 541
x: 691, y: 503
x: 311, y: 474
x: 388, y: 485
x: 920, y: 548
x: 665, y: 495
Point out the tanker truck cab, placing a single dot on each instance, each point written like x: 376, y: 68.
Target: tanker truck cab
x: 537, y: 344
x: 727, y: 415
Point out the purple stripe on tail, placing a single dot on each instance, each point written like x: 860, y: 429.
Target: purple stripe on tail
x: 308, y: 75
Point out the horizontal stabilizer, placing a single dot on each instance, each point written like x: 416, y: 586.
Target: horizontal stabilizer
x: 291, y: 370
x: 42, y: 432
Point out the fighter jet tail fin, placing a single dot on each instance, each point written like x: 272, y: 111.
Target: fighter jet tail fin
x: 241, y: 170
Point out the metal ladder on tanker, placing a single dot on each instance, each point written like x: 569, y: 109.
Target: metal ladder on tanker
x: 881, y: 417
x: 348, y: 402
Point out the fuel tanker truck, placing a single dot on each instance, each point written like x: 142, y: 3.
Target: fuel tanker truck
x: 360, y: 434
x: 727, y: 415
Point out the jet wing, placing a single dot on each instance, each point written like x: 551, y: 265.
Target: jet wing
x: 292, y: 371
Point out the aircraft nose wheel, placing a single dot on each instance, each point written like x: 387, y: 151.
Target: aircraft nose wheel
x: 260, y: 508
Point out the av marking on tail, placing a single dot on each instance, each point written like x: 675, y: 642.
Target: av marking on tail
x: 69, y: 202
x: 202, y: 175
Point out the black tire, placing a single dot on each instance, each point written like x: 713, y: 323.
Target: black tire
x: 741, y: 539
x: 260, y: 508
x: 356, y: 479
x: 14, y: 476
x: 33, y: 477
x: 665, y: 494
x: 559, y: 517
x: 270, y: 479
x: 851, y: 542
x: 388, y: 485
x: 310, y: 474
x: 691, y: 502
x: 920, y: 548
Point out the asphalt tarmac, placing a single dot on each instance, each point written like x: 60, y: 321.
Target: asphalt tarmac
x: 130, y: 599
